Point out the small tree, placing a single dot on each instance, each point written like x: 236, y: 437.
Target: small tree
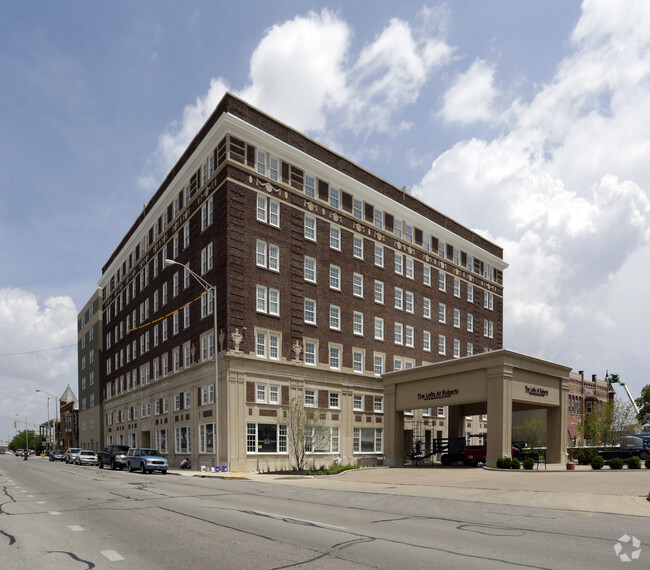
x: 530, y: 431
x: 26, y: 439
x: 607, y: 422
x: 306, y: 432
x: 643, y: 404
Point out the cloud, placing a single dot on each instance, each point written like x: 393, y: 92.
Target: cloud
x: 564, y: 188
x: 471, y: 98
x: 302, y: 73
x: 29, y: 331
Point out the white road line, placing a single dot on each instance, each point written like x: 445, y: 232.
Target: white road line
x: 75, y: 527
x: 54, y: 513
x: 112, y: 555
x: 40, y: 502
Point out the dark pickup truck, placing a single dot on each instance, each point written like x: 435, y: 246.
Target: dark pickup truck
x: 113, y: 455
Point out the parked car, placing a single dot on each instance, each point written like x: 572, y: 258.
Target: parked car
x: 57, y: 455
x: 71, y: 454
x: 19, y: 452
x: 146, y: 460
x: 85, y: 457
x: 113, y: 455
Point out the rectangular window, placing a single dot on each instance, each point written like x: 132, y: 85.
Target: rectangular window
x: 399, y: 298
x: 399, y: 263
x: 379, y: 328
x: 379, y: 219
x: 470, y: 293
x: 379, y: 292
x: 426, y: 308
x: 456, y: 287
x: 310, y: 352
x: 357, y: 324
x: 310, y: 186
x: 335, y: 400
x: 310, y: 228
x: 409, y: 302
x: 335, y: 357
x: 335, y: 198
x: 379, y: 255
x: 310, y: 398
x: 488, y: 300
x: 426, y: 341
x: 357, y: 285
x: 335, y: 317
x: 442, y: 281
x: 310, y: 269
x: 488, y: 329
x: 183, y: 444
x: 470, y: 322
x: 335, y: 277
x: 408, y: 336
x: 357, y: 402
x: 456, y: 348
x: 206, y: 438
x: 378, y: 404
x: 457, y: 318
x: 442, y: 344
x: 442, y: 313
x: 379, y: 364
x: 357, y: 360
x: 409, y: 271
x: 310, y: 311
x: 399, y: 333
x: 426, y: 275
x: 266, y: 438
x: 335, y: 238
x: 357, y: 246
x: 357, y: 209
x: 274, y: 394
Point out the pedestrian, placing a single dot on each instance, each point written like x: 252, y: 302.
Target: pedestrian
x: 185, y: 464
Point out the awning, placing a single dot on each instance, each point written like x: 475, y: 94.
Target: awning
x: 573, y: 432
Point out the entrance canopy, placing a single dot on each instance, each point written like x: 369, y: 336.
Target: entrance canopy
x: 494, y: 383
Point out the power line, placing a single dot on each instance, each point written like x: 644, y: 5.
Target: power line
x: 37, y: 351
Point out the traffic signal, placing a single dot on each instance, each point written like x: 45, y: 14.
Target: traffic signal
x: 15, y: 426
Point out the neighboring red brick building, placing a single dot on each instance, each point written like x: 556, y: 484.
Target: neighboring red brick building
x: 69, y: 414
x: 583, y: 395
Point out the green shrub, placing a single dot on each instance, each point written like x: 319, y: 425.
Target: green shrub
x: 616, y: 463
x: 647, y: 463
x: 597, y: 462
x: 515, y: 463
x: 584, y: 456
x: 504, y: 463
x: 529, y: 463
x: 634, y: 463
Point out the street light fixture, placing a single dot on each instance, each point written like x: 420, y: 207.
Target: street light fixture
x: 212, y: 291
x: 56, y: 414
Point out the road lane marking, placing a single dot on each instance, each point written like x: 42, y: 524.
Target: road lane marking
x: 54, y: 513
x: 75, y: 527
x: 112, y: 555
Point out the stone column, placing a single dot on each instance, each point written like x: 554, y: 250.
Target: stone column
x: 499, y: 409
x: 556, y: 426
x: 393, y: 430
x: 455, y: 422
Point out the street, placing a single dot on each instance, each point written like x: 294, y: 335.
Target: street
x: 55, y: 515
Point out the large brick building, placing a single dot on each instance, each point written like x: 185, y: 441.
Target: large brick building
x: 326, y: 277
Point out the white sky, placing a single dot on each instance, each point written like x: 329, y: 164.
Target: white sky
x: 527, y: 122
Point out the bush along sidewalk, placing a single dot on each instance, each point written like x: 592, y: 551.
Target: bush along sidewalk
x: 508, y: 463
x: 597, y: 462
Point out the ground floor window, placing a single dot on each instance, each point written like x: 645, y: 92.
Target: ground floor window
x: 266, y: 438
x: 367, y: 440
x: 132, y: 440
x: 323, y: 440
x: 206, y: 438
x: 183, y: 440
x: 161, y: 441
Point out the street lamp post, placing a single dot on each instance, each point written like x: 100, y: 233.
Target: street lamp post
x: 56, y: 414
x: 212, y: 291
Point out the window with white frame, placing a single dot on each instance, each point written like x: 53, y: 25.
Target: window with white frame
x: 488, y: 329
x: 357, y: 246
x: 357, y: 209
x: 357, y: 323
x: 367, y: 440
x: 310, y: 398
x: 379, y: 255
x: 310, y: 228
x: 335, y: 277
x: 399, y: 263
x: 379, y: 364
x: 260, y: 393
x: 409, y: 333
x: 206, y: 438
x: 426, y: 275
x: 268, y: 210
x: 470, y: 322
x: 335, y: 237
x: 470, y: 349
x: 378, y: 219
x: 426, y: 307
x: 409, y: 302
x: 379, y: 292
x: 207, y: 262
x: 399, y: 298
x: 310, y: 269
x: 488, y: 300
x: 457, y: 318
x: 311, y: 351
x: 310, y: 186
x: 378, y: 403
x: 426, y: 341
x: 310, y: 311
x: 182, y: 439
x: 268, y: 165
x: 267, y: 255
x: 409, y: 271
x: 266, y: 438
x: 442, y: 281
x: 456, y: 348
x: 267, y: 345
x: 470, y: 293
x: 357, y: 285
x: 335, y: 357
x: 398, y: 333
x: 267, y: 300
x: 335, y: 317
x: 456, y: 287
x: 442, y: 344
x: 379, y: 328
x: 357, y: 360
x: 335, y: 198
x: 207, y: 395
x: 357, y: 402
x: 274, y: 394
x: 335, y: 400
x: 442, y: 313
x: 207, y: 213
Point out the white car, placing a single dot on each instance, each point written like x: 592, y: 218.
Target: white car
x: 86, y: 457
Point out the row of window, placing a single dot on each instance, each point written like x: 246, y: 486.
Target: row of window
x: 182, y: 439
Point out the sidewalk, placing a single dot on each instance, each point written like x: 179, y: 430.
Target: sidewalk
x: 622, y: 492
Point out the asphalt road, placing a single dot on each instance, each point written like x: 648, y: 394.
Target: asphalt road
x: 57, y: 516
